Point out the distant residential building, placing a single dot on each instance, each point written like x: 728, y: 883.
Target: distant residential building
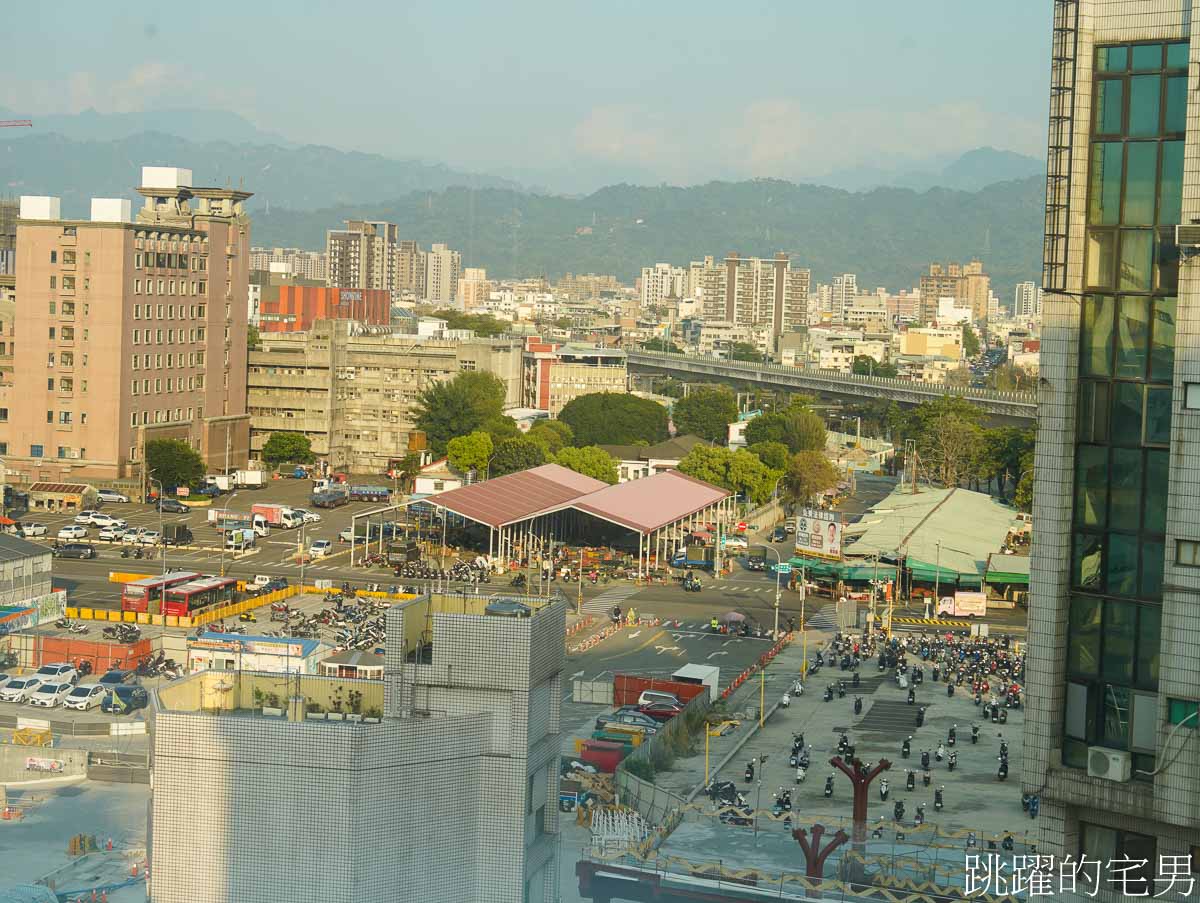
x: 696, y: 276
x: 842, y: 293
x: 408, y: 263
x: 967, y: 283
x: 637, y: 461
x: 719, y: 337
x: 904, y: 306
x: 835, y: 348
x: 362, y: 255
x: 474, y: 288
x: 931, y: 340
x: 296, y: 262
x: 1027, y: 301
x: 584, y: 286
x: 868, y: 312
x: 298, y: 307
x: 756, y: 292
x: 442, y: 270
x: 555, y: 374
x: 925, y: 369
x: 662, y: 281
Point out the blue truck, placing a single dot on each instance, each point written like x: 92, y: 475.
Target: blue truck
x: 694, y: 556
x: 370, y: 493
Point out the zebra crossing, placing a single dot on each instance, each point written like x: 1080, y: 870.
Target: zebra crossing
x: 822, y: 619
x: 602, y: 603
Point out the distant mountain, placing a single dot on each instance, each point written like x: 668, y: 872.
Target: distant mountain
x: 193, y: 125
x: 971, y: 171
x: 301, y: 177
x: 888, y: 236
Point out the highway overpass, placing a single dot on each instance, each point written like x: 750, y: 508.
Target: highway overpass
x: 1016, y: 405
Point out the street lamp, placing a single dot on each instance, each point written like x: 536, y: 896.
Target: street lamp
x: 778, y: 564
x: 224, y: 533
x: 162, y: 536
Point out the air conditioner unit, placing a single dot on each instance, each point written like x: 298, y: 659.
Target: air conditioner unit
x: 1187, y: 235
x: 1109, y: 764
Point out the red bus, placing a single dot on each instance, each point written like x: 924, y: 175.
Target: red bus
x: 185, y: 599
x: 140, y: 595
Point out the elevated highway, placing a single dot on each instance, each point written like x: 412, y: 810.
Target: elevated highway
x: 1021, y: 406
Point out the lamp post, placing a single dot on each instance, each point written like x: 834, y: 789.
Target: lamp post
x: 778, y: 563
x: 162, y: 536
x: 303, y: 555
x: 224, y: 533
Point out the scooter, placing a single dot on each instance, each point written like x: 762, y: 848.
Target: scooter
x: 829, y: 787
x: 920, y: 816
x: 854, y: 681
x: 749, y: 771
x: 941, y: 752
x: 785, y: 701
x: 841, y: 689
x: 801, y: 774
x: 925, y: 778
x: 949, y: 690
x: 906, y: 748
x: 974, y: 734
x: 937, y: 798
x: 828, y: 694
x: 883, y: 788
x: 857, y: 705
x: 920, y: 716
x: 953, y: 762
x: 1002, y: 773
x: 925, y: 759
x: 898, y: 811
x: 912, y: 696
x: 910, y: 780
x: 797, y: 688
x: 1003, y: 749
x: 952, y: 736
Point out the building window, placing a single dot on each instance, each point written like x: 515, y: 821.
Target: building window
x: 51, y: 332
x: 64, y: 417
x: 137, y: 311
x: 36, y: 451
x: 83, y: 416
x: 1183, y: 711
x: 137, y: 261
x: 1107, y: 844
x: 52, y: 307
x: 49, y: 416
x: 3, y: 415
x: 53, y: 282
x: 133, y: 386
x: 1187, y: 553
x: 132, y: 422
x: 3, y: 448
x: 54, y: 257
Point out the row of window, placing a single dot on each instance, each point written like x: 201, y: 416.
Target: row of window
x: 168, y: 261
x: 167, y: 287
x: 65, y: 418
x: 170, y: 241
x: 155, y: 336
x: 39, y: 451
x: 65, y: 333
x: 143, y: 362
x: 173, y: 384
x: 167, y: 312
x: 144, y: 418
x: 65, y: 384
x: 65, y: 359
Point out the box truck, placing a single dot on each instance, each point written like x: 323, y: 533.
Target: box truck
x: 278, y: 515
x: 224, y: 521
x: 250, y: 479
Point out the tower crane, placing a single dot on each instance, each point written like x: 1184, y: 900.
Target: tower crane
x: 14, y: 123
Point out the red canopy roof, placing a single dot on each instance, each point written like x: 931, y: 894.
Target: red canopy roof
x: 516, y: 496
x: 650, y: 503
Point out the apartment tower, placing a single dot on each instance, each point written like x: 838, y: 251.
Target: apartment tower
x: 1114, y: 628
x: 443, y: 267
x: 363, y: 255
x: 132, y: 330
x: 756, y: 292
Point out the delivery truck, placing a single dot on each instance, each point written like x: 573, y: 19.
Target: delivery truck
x: 278, y: 515
x: 177, y: 535
x: 250, y: 479
x: 694, y: 556
x: 223, y: 482
x: 370, y: 493
x: 224, y: 521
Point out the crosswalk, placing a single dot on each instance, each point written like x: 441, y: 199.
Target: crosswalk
x: 604, y: 602
x: 822, y: 619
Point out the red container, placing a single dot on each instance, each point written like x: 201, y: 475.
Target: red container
x: 628, y: 687
x: 603, y: 754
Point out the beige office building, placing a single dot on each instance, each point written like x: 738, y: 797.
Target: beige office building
x: 132, y: 329
x: 352, y: 389
x: 363, y: 255
x: 474, y: 288
x: 442, y: 269
x: 756, y: 292
x: 966, y: 283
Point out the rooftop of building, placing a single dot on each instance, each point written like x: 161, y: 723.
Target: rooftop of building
x: 669, y: 450
x: 13, y: 548
x: 257, y: 645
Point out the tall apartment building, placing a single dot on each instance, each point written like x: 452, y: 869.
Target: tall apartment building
x: 296, y: 262
x: 131, y: 330
x: 1114, y: 630
x: 409, y: 266
x: 662, y: 281
x: 474, y: 288
x: 696, y: 276
x: 584, y: 286
x: 352, y: 389
x: 363, y: 255
x: 842, y: 293
x: 967, y: 283
x: 1027, y: 301
x: 442, y: 786
x: 556, y: 374
x: 754, y: 291
x: 442, y: 270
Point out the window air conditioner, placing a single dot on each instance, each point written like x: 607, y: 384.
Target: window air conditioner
x: 1109, y: 764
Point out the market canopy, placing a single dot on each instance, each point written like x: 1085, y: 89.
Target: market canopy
x: 516, y: 496
x: 1010, y: 569
x: 652, y: 502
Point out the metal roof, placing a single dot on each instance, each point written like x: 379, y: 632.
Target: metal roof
x: 652, y: 502
x: 516, y: 496
x: 13, y: 548
x: 61, y: 488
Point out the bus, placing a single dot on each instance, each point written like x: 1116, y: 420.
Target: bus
x: 147, y: 593
x: 186, y: 599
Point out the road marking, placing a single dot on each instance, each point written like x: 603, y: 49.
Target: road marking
x: 661, y: 649
x: 714, y: 654
x: 636, y: 633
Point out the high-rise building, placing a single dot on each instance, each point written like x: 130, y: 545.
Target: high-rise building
x: 1114, y: 630
x: 842, y: 293
x: 442, y: 270
x: 966, y: 283
x: 474, y: 288
x: 756, y: 292
x: 363, y: 255
x: 584, y: 286
x: 302, y: 264
x: 557, y: 374
x: 1027, y: 301
x: 132, y: 330
x: 409, y: 266
x: 696, y: 276
x: 662, y: 281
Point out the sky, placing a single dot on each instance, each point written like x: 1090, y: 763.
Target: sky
x: 563, y: 93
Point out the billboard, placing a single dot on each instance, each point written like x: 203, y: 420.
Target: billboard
x: 819, y: 533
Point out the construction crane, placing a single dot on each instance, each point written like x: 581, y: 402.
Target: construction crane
x: 14, y: 123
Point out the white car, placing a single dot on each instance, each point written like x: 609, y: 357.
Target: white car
x: 28, y: 530
x: 133, y: 535
x: 5, y: 678
x: 149, y: 538
x: 111, y: 534
x: 736, y: 542
x: 85, y: 696
x: 57, y: 672
x: 49, y: 695
x: 320, y: 548
x: 107, y: 520
x: 85, y: 517
x: 111, y: 495
x: 72, y: 531
x: 309, y: 517
x: 19, y: 688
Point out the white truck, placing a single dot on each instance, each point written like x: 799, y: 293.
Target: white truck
x: 227, y: 521
x: 706, y: 675
x: 249, y: 479
x: 224, y: 482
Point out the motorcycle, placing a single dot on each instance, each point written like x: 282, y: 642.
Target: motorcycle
x: 953, y: 761
x: 829, y: 787
x: 125, y: 553
x: 857, y: 705
x: 906, y: 748
x: 898, y: 811
x: 749, y: 771
x: 949, y: 690
x: 797, y: 688
x: 952, y: 736
x: 937, y: 798
x: 925, y: 759
x: 883, y: 788
x: 1004, y: 749
x: 912, y: 696
x: 910, y: 780
x: 828, y: 694
x: 854, y: 682
x: 920, y: 816
x: 925, y: 778
x: 1002, y: 773
x: 941, y: 752
x: 920, y: 716
x: 785, y: 701
x: 801, y: 774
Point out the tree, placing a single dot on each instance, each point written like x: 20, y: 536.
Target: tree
x: 744, y: 351
x: 406, y: 472
x: 554, y: 435
x: 513, y: 455
x: 252, y: 337
x: 288, y: 448
x: 615, y: 418
x: 767, y: 428
x: 661, y: 345
x: 470, y: 452
x: 1023, y: 497
x: 458, y: 406
x: 501, y: 427
x: 970, y: 341
x: 480, y: 324
x: 773, y: 454
x: 808, y: 473
x: 960, y: 376
x: 172, y: 462
x: 951, y: 447
x: 740, y: 471
x: 865, y: 365
x: 672, y: 388
x: 796, y: 427
x: 1012, y: 378
x: 591, y: 461
x: 706, y: 412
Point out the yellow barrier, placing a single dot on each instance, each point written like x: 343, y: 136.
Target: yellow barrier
x: 172, y: 620
x: 71, y: 612
x: 124, y: 577
x: 85, y: 614
x: 142, y: 617
x: 157, y: 620
x: 129, y: 616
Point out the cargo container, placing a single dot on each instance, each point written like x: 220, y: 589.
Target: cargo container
x: 224, y: 521
x: 177, y: 535
x: 250, y: 479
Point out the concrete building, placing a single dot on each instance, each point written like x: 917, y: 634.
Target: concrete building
x: 583, y: 286
x: 634, y: 462
x: 214, y: 651
x: 297, y: 307
x: 442, y: 270
x: 474, y: 288
x: 941, y: 341
x: 719, y: 337
x: 967, y: 283
x: 1027, y: 301
x: 756, y: 292
x: 352, y: 388
x: 440, y: 785
x: 409, y: 267
x: 842, y: 293
x: 662, y: 281
x: 555, y: 374
x: 135, y: 330
x: 363, y: 255
x: 836, y: 349
x: 296, y: 262
x: 1114, y: 631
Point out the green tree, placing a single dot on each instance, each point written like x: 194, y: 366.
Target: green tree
x: 774, y: 454
x: 172, y: 462
x: 470, y: 452
x: 591, y: 461
x: 970, y: 341
x: 554, y: 435
x: 808, y: 473
x: 706, y: 412
x: 252, y: 337
x: 744, y: 351
x: 796, y: 427
x: 513, y: 455
x: 740, y: 471
x: 1012, y: 378
x: 615, y: 418
x: 951, y: 447
x: 1023, y: 497
x: 672, y: 388
x: 501, y: 427
x: 661, y: 345
x: 865, y: 365
x: 407, y: 470
x: 480, y: 324
x: 288, y: 448
x: 458, y: 406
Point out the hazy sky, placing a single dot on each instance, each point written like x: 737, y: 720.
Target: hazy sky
x: 654, y: 91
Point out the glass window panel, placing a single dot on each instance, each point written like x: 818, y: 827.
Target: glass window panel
x: 1125, y: 488
x: 1147, y: 56
x: 1120, y: 635
x: 1112, y: 59
x: 1143, y: 104
x: 1127, y: 416
x: 1158, y: 415
x: 1109, y: 94
x: 1121, y: 565
x: 1154, y: 498
x: 1137, y: 252
x: 1166, y: 261
x: 1149, y: 640
x: 1162, y: 340
x: 1175, y: 118
x: 1083, y: 641
x: 1170, y: 186
x: 1086, y: 559
x: 1132, y: 337
x: 1098, y: 842
x: 1115, y: 724
x: 1101, y: 254
x: 1092, y: 419
x: 1104, y: 188
x: 1075, y: 753
x: 1096, y: 339
x: 1091, y: 485
x: 1177, y: 55
x: 1141, y: 175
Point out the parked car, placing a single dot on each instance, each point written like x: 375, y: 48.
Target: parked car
x: 107, y: 520
x: 125, y: 699
x: 57, y: 672
x: 649, y: 696
x: 111, y: 534
x: 789, y: 528
x: 660, y: 711
x: 111, y: 495
x: 5, y: 678
x: 49, y: 695
x: 19, y: 688
x: 85, y: 696
x: 133, y: 535
x: 171, y: 506
x: 736, y: 542
x: 30, y: 530
x: 116, y: 677
x: 630, y: 717
x: 75, y: 550
x: 149, y: 538
x: 309, y: 517
x: 85, y: 517
x: 72, y: 531
x: 320, y: 548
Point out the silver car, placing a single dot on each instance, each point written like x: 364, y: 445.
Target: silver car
x: 19, y: 689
